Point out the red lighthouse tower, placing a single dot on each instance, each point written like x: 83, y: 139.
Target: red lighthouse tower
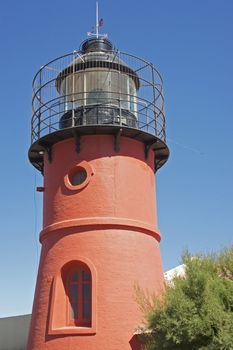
x: 98, y: 136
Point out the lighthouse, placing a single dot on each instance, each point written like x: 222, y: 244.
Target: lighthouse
x: 98, y: 138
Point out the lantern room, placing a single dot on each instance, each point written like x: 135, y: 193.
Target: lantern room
x: 97, y: 89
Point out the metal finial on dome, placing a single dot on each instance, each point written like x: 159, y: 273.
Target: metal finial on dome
x: 99, y: 23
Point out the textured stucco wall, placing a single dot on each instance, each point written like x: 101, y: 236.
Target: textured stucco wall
x: 110, y: 224
x: 14, y: 332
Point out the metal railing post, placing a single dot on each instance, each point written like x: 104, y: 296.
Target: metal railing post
x: 154, y: 98
x: 73, y: 85
x: 40, y: 103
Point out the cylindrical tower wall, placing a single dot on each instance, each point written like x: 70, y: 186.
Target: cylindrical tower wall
x: 109, y: 223
x: 121, y: 185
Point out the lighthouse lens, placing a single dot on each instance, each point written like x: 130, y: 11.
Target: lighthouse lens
x: 98, y: 87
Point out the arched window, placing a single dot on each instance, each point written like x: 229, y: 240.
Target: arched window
x: 79, y: 290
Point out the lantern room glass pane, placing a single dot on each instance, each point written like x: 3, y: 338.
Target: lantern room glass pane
x: 99, y: 86
x: 72, y: 88
x: 132, y: 96
x: 115, y: 88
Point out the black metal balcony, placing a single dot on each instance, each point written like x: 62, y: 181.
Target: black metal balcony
x: 59, y: 111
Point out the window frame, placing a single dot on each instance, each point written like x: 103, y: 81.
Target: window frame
x: 82, y: 166
x: 80, y: 321
x: 58, y: 321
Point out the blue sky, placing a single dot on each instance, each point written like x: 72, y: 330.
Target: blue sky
x: 191, y: 44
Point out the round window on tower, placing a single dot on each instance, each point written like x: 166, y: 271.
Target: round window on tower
x: 79, y: 176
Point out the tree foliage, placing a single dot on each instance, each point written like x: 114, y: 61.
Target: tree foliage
x: 197, y: 312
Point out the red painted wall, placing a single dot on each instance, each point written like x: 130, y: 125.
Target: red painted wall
x: 110, y: 224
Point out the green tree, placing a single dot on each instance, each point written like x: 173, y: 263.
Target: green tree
x: 197, y: 311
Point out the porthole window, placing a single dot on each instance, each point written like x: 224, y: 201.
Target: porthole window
x: 78, y: 176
